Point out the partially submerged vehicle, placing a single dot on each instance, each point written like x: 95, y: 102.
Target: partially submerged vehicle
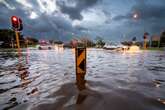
x: 44, y: 45
x: 122, y: 48
x: 115, y: 46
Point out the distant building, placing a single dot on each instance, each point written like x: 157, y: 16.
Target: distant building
x: 155, y: 38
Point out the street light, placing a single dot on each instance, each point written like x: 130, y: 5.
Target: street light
x: 135, y: 15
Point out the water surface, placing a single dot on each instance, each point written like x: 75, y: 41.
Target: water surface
x: 45, y: 80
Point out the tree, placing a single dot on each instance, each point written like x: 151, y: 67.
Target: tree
x: 87, y: 42
x: 99, y: 41
x: 6, y: 37
x: 162, y: 39
x: 134, y: 39
x: 31, y: 40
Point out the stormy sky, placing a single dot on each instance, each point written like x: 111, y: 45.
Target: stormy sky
x: 115, y: 20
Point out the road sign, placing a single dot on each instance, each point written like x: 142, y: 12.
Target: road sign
x: 80, y: 67
x: 80, y: 60
x: 17, y: 39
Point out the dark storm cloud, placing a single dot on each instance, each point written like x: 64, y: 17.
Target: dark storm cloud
x: 108, y: 15
x: 150, y: 11
x: 44, y: 24
x: 74, y: 12
x: 80, y: 28
x: 145, y: 11
x: 6, y: 13
x: 150, y: 18
x: 121, y: 17
x: 53, y: 23
x: 49, y: 26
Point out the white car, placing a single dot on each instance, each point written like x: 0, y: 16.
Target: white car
x: 45, y: 47
x: 113, y: 46
x: 110, y: 47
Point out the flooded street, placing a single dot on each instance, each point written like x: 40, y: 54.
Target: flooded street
x: 45, y: 80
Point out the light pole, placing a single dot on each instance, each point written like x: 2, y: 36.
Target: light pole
x: 136, y: 16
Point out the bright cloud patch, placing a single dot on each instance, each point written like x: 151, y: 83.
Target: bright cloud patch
x: 47, y: 6
x: 33, y: 15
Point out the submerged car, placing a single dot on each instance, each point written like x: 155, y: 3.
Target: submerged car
x: 115, y: 46
x: 110, y: 47
x: 44, y: 46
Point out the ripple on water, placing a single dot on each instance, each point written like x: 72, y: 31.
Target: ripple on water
x: 46, y: 80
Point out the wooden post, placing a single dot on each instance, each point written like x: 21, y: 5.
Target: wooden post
x: 80, y: 67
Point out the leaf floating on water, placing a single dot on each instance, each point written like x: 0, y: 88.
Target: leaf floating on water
x: 162, y: 101
x: 13, y: 99
x: 157, y: 85
x: 33, y: 92
x: 158, y: 82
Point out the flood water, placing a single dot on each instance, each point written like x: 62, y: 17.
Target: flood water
x: 45, y: 80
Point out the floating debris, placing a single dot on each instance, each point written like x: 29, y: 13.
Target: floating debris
x: 33, y: 92
x: 162, y: 101
x: 158, y: 82
x: 13, y: 99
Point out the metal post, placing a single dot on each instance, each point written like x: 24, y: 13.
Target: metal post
x: 18, y: 44
x: 145, y: 44
x: 17, y: 39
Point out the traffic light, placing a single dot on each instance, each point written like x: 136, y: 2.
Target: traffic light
x: 15, y: 22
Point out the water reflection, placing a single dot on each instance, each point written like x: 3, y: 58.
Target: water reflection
x: 27, y: 55
x: 59, y: 49
x: 81, y: 85
x: 23, y: 71
x: 81, y: 98
x: 23, y: 74
x: 80, y: 78
x: 11, y: 103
